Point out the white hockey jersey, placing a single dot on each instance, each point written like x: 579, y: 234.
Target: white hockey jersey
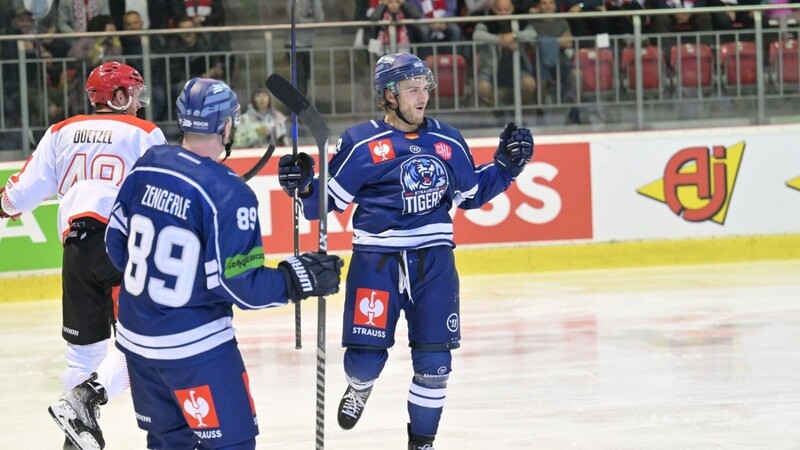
x: 83, y: 161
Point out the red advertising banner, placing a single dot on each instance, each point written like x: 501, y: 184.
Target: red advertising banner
x: 551, y: 200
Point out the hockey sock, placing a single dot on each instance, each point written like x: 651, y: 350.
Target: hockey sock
x: 82, y: 360
x: 112, y: 373
x: 428, y: 390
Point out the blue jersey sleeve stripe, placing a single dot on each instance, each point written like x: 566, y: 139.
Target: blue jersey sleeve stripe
x: 340, y: 196
x: 118, y: 220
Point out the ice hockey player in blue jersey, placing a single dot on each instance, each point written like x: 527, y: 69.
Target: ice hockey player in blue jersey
x: 185, y: 233
x: 404, y: 172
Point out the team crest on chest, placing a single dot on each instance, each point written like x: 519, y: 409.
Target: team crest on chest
x: 424, y: 181
x: 381, y: 150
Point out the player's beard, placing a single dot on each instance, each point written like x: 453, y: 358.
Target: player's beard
x: 411, y: 115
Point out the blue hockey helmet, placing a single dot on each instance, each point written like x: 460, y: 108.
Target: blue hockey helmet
x: 205, y: 105
x: 394, y: 68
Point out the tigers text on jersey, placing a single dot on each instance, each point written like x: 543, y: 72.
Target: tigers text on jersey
x: 405, y: 184
x: 83, y: 161
x: 185, y: 233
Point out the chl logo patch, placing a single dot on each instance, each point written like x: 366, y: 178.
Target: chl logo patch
x: 381, y: 150
x: 198, y: 408
x: 371, y: 306
x: 443, y: 150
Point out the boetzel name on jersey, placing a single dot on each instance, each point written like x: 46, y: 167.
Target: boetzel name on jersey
x: 92, y: 137
x: 166, y: 201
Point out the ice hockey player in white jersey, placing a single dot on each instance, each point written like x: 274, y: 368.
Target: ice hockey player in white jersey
x: 404, y: 172
x: 186, y: 234
x: 83, y: 160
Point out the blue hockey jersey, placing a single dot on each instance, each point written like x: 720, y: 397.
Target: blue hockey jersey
x: 404, y: 184
x: 185, y: 233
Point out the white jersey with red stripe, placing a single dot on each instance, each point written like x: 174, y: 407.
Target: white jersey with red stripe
x: 83, y: 161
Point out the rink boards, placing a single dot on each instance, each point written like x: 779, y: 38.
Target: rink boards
x: 585, y: 201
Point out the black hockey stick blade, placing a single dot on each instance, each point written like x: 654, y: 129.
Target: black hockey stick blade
x: 260, y: 163
x: 298, y: 104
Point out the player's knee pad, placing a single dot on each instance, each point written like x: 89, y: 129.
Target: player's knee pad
x: 364, y: 365
x: 431, y: 369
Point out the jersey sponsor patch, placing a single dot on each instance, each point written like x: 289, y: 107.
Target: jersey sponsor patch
x: 443, y: 150
x: 424, y: 181
x: 381, y: 150
x: 198, y: 408
x: 371, y: 307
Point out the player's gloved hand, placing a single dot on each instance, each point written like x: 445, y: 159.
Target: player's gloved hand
x: 311, y: 274
x: 3, y: 214
x: 296, y: 173
x: 515, y: 149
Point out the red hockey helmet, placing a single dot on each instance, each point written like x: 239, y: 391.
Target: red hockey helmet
x: 109, y: 77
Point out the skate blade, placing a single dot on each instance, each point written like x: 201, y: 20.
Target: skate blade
x: 62, y: 413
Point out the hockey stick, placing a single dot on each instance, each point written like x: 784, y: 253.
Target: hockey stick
x: 260, y: 163
x: 298, y: 343
x: 299, y: 105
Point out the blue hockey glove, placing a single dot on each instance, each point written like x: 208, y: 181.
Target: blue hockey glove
x: 515, y: 149
x: 295, y: 173
x: 3, y: 214
x: 311, y: 274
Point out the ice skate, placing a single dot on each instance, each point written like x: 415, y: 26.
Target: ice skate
x: 77, y: 411
x: 351, y: 406
x: 417, y: 442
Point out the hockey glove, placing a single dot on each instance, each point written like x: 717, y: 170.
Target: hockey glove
x: 295, y: 173
x: 311, y: 274
x: 515, y: 149
x: 3, y: 214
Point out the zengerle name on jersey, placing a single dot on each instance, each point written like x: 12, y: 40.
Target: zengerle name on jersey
x: 92, y: 137
x: 166, y: 201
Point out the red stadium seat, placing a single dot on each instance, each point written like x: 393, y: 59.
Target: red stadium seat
x: 651, y: 69
x: 449, y: 71
x: 595, y: 71
x: 738, y: 60
x: 784, y: 65
x: 693, y: 66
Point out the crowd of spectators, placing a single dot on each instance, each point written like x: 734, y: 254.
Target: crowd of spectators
x: 546, y: 46
x: 59, y: 66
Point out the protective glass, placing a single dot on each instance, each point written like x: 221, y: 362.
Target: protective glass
x: 141, y: 93
x: 416, y: 84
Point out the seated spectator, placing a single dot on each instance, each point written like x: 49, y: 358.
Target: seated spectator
x: 261, y: 123
x: 585, y: 28
x: 190, y: 55
x: 132, y: 49
x: 554, y: 50
x: 683, y: 22
x: 495, y: 54
x: 307, y: 11
x: 623, y: 25
x: 119, y: 8
x: 94, y: 50
x: 74, y: 17
x: 439, y: 32
x: 204, y: 13
x: 362, y: 9
x: 38, y: 64
x: 394, y: 10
